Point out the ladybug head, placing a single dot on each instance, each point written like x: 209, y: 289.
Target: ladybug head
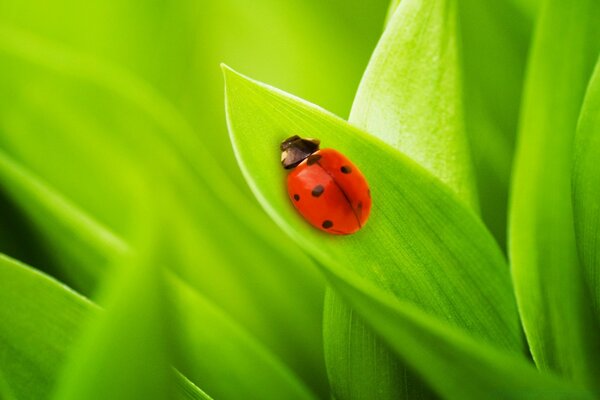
x: 294, y: 150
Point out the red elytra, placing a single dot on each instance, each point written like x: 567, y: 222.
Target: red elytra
x: 325, y: 186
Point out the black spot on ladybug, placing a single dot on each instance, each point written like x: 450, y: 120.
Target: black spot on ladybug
x: 318, y: 190
x: 327, y: 224
x: 346, y: 169
x: 369, y: 192
x: 296, y: 197
x: 313, y: 159
x: 359, y: 206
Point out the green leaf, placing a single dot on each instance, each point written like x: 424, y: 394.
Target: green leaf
x: 457, y: 366
x: 127, y: 351
x: 41, y: 322
x: 586, y: 189
x: 391, y: 10
x: 495, y: 39
x: 234, y: 362
x: 551, y: 293
x: 419, y: 232
x: 410, y: 97
x: 63, y: 224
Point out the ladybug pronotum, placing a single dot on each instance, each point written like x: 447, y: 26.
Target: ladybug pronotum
x: 325, y: 187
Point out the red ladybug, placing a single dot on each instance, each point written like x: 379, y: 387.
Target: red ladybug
x: 325, y: 187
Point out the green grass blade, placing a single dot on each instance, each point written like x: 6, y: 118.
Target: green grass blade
x: 126, y: 352
x: 586, y: 189
x: 410, y: 97
x: 454, y: 363
x: 42, y: 321
x: 391, y: 10
x: 419, y: 232
x: 66, y: 227
x: 548, y: 279
x: 412, y: 223
x: 219, y: 344
x: 187, y: 390
x: 495, y: 39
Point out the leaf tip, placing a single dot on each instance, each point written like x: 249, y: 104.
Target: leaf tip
x: 229, y: 74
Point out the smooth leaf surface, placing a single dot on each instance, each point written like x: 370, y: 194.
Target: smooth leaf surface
x: 555, y: 309
x: 418, y: 232
x: 586, y: 189
x: 41, y: 322
x: 259, y: 116
x: 435, y: 349
x: 495, y: 39
x: 410, y: 97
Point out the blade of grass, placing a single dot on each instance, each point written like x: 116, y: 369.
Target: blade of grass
x: 410, y: 97
x: 416, y: 223
x: 259, y: 116
x: 454, y: 364
x: 495, y: 39
x: 550, y: 288
x: 126, y: 352
x: 42, y: 321
x: 67, y: 227
x: 229, y: 348
x: 586, y: 188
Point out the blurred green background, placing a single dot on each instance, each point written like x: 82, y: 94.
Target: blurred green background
x: 111, y: 115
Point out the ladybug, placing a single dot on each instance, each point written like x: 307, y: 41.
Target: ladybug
x: 325, y: 187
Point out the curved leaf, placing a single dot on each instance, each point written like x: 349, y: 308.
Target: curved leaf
x: 410, y: 97
x: 41, y: 322
x: 126, y: 352
x: 453, y: 362
x: 562, y: 334
x: 586, y: 188
x: 211, y: 336
x: 495, y: 39
x: 418, y: 229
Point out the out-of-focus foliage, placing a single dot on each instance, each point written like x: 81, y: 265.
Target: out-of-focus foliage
x: 152, y: 271
x: 549, y: 282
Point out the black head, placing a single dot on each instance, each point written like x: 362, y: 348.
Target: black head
x: 294, y: 150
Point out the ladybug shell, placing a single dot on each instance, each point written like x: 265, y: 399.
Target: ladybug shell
x: 330, y: 192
